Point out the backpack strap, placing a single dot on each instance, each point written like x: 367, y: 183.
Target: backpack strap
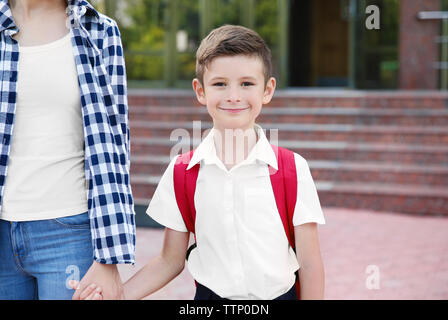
x: 184, y: 189
x: 284, y: 185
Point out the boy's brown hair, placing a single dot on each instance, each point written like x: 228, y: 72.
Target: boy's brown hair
x: 231, y: 40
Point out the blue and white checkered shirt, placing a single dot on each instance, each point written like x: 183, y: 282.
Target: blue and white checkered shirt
x: 100, y: 65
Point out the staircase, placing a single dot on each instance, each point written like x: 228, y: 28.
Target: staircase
x: 383, y: 151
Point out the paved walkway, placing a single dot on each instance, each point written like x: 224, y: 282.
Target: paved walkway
x: 367, y: 255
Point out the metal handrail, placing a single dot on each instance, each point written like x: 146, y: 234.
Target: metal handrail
x: 443, y: 40
x: 432, y: 15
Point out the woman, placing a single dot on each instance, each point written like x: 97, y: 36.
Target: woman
x: 66, y: 207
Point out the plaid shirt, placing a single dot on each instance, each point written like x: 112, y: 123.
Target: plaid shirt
x: 100, y: 66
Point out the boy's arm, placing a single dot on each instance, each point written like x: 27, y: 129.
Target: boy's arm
x: 161, y: 269
x: 311, y: 272
x: 154, y: 275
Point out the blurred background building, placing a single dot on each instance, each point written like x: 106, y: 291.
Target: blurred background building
x: 315, y: 43
x: 366, y: 107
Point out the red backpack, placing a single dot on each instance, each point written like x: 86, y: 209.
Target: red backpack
x: 283, y: 180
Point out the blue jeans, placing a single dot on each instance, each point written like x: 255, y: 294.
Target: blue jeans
x: 39, y: 258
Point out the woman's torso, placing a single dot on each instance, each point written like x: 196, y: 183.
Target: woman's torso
x: 46, y: 164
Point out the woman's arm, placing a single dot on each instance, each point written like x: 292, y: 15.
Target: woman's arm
x: 161, y: 269
x: 311, y: 272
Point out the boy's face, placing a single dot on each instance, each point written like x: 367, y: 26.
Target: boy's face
x: 234, y: 91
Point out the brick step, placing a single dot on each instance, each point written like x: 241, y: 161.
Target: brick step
x: 317, y: 150
x: 333, y: 171
x: 407, y: 117
x: 413, y: 199
x: 418, y: 200
x: 311, y: 132
x: 307, y: 98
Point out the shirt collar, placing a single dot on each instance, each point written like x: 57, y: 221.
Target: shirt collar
x: 261, y: 151
x: 78, y: 7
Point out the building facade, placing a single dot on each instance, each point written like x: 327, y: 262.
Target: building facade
x: 359, y: 44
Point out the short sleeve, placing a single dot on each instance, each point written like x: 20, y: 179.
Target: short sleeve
x: 163, y: 205
x: 308, y: 207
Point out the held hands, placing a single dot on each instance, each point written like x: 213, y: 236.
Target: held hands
x: 104, y: 276
x: 91, y: 292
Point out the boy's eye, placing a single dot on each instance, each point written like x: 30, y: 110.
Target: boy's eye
x: 219, y: 84
x: 247, y: 83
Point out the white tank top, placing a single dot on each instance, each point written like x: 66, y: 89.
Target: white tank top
x: 45, y: 178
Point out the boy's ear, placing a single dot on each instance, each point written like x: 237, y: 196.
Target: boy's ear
x: 269, y: 90
x: 199, y: 90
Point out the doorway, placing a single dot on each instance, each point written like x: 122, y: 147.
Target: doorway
x: 318, y: 43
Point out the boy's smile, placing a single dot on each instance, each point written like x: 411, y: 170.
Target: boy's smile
x: 234, y: 91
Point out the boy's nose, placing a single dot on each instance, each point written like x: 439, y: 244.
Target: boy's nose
x: 233, y: 99
x: 234, y: 96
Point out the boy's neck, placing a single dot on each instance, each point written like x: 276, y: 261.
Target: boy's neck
x: 234, y: 145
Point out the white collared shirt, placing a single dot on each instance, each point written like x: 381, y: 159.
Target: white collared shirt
x: 242, y: 250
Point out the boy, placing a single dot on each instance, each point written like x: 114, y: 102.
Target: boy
x: 241, y: 250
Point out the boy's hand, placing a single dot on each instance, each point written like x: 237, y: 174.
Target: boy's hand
x: 105, y: 276
x: 91, y: 292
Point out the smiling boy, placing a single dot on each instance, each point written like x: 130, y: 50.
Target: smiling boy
x: 242, y: 250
